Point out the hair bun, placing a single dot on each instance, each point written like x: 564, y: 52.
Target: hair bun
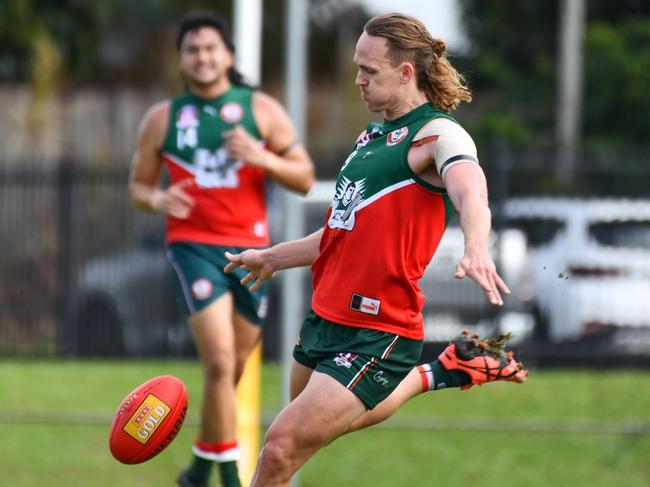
x: 439, y: 46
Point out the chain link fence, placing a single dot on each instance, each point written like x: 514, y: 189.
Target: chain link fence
x: 85, y: 274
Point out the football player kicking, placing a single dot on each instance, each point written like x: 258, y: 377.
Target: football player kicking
x: 355, y: 360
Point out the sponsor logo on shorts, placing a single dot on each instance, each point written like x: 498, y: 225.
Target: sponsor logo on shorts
x: 345, y: 359
x: 232, y: 112
x: 364, y: 304
x: 380, y: 379
x: 396, y: 136
x: 201, y: 288
x: 146, y: 420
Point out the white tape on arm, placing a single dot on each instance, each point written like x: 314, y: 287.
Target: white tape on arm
x: 454, y: 144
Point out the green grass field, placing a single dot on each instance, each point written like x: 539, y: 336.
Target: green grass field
x: 561, y: 429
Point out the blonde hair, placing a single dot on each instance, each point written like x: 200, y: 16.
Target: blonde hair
x: 408, y: 39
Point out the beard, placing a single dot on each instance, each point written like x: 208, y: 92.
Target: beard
x: 203, y: 83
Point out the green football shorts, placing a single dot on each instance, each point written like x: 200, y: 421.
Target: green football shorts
x: 199, y: 279
x: 370, y: 363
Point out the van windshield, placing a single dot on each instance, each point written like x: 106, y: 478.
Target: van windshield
x: 538, y: 231
x: 626, y: 234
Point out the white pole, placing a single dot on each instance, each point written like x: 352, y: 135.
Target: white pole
x: 295, y: 89
x: 247, y: 36
x: 293, y: 293
x: 296, y: 66
x: 572, y: 24
x: 295, y: 95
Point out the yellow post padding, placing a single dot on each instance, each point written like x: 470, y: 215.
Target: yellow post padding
x: 248, y: 415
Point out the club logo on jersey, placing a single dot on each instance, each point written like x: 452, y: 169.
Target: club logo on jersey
x: 232, y: 112
x: 396, y: 136
x: 366, y: 137
x: 188, y: 117
x: 364, y: 304
x: 349, y: 194
x: 201, y: 288
x: 186, y: 126
x: 345, y: 359
x: 216, y: 169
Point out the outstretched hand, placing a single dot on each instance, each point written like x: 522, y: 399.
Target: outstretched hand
x: 480, y: 268
x: 253, y: 261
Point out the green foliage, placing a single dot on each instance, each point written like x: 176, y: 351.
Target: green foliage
x: 617, y: 77
x: 116, y: 42
x: 99, y: 42
x: 512, y: 69
x: 493, y: 123
x: 71, y: 24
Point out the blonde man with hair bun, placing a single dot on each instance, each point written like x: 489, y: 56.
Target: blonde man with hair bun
x: 408, y: 39
x: 359, y: 346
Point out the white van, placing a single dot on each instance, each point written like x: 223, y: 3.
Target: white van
x: 588, y: 265
x: 577, y: 268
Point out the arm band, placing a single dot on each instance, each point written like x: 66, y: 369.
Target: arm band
x: 453, y: 144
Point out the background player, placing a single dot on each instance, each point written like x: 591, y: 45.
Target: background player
x: 219, y: 141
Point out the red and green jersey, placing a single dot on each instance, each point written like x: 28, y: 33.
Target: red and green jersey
x: 382, y: 229
x: 230, y: 196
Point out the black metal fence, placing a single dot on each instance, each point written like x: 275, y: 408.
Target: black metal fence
x: 67, y: 233
x: 85, y: 274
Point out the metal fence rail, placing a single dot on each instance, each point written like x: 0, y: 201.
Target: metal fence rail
x: 630, y: 428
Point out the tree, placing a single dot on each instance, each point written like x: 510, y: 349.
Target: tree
x: 617, y: 77
x: 512, y: 61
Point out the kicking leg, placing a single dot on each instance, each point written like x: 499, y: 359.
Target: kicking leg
x: 467, y: 361
x: 300, y: 376
x: 324, y: 410
x: 410, y: 387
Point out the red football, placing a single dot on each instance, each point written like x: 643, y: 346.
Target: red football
x: 148, y: 419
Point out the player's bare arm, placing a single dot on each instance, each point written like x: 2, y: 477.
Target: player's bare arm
x: 147, y: 166
x: 445, y: 155
x: 283, y: 157
x: 467, y: 190
x: 263, y: 264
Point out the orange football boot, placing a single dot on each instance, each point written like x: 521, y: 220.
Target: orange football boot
x: 483, y: 360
